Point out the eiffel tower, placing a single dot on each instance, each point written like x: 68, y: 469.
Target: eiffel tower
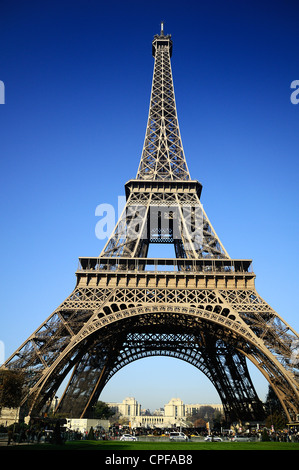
x: 201, y: 306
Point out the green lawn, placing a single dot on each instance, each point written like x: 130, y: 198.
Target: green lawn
x: 156, y: 446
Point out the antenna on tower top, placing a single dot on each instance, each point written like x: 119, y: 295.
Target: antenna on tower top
x: 162, y: 28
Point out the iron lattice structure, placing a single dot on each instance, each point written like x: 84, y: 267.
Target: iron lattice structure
x: 201, y: 306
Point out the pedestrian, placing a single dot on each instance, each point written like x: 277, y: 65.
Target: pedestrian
x: 10, y: 436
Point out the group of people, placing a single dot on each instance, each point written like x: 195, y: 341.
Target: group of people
x: 25, y: 435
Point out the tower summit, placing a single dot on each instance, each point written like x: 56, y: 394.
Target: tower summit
x: 162, y: 40
x: 163, y: 155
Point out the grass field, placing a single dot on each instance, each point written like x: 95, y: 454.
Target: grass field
x: 156, y: 446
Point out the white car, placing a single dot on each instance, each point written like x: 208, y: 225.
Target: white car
x: 213, y: 438
x: 178, y: 436
x: 128, y: 437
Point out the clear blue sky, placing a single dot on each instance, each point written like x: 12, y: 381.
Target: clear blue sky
x: 77, y: 78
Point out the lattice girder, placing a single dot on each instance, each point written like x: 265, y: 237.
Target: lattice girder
x: 163, y: 155
x: 116, y: 295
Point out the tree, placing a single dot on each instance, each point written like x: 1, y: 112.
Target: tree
x: 274, y: 411
x: 277, y: 420
x: 102, y: 410
x: 265, y: 435
x: 90, y: 436
x: 218, y: 420
x: 206, y: 414
x: 200, y: 423
x: 272, y: 404
x: 11, y: 388
x: 57, y: 438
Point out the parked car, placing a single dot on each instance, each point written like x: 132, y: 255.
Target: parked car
x: 178, y: 436
x: 213, y: 438
x: 128, y: 437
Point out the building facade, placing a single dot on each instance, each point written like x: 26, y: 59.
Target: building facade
x: 175, y: 413
x: 129, y: 407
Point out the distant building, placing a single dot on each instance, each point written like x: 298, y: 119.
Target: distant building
x: 175, y: 409
x: 174, y: 414
x: 9, y: 416
x: 128, y: 408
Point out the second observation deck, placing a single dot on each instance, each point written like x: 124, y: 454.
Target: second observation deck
x: 202, y: 265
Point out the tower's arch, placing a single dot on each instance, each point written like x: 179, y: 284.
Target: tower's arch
x: 213, y: 338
